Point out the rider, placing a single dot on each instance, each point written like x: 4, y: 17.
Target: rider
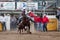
x: 23, y: 14
x: 29, y: 18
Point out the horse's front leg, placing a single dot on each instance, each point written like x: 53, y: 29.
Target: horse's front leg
x: 25, y: 28
x: 28, y: 30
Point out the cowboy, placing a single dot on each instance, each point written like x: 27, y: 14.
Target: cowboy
x: 28, y: 18
x: 45, y: 20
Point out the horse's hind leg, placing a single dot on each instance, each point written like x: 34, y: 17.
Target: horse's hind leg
x: 20, y: 31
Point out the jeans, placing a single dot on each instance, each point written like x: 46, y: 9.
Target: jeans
x: 41, y: 26
x: 13, y: 25
x: 38, y: 26
x: 4, y: 26
x: 45, y: 27
x: 35, y: 25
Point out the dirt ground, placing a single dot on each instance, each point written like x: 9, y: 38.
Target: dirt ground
x: 13, y: 35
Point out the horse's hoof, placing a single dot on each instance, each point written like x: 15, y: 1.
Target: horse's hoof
x: 19, y: 32
x: 29, y: 33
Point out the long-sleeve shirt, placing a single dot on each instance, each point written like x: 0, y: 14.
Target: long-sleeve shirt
x: 2, y: 19
x: 45, y: 20
x: 37, y: 19
x: 29, y: 18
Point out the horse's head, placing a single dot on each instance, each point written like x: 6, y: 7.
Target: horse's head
x: 24, y: 17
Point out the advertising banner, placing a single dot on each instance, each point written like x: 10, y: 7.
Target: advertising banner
x: 32, y: 5
x: 7, y: 5
x: 27, y: 5
x: 21, y: 5
x: 52, y: 25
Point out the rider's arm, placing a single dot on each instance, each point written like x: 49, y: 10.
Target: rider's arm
x: 19, y: 20
x: 30, y: 18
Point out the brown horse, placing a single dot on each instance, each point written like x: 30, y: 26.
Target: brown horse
x: 25, y: 22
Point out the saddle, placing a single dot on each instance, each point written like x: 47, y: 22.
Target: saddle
x: 25, y: 21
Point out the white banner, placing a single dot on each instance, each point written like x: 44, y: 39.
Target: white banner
x: 27, y: 5
x: 21, y: 5
x: 32, y: 5
x: 7, y: 5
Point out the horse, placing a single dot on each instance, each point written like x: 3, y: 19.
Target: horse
x: 24, y: 23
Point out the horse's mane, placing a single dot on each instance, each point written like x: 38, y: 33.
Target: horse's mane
x: 25, y: 17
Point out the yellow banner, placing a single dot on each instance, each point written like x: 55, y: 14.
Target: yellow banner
x: 52, y: 25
